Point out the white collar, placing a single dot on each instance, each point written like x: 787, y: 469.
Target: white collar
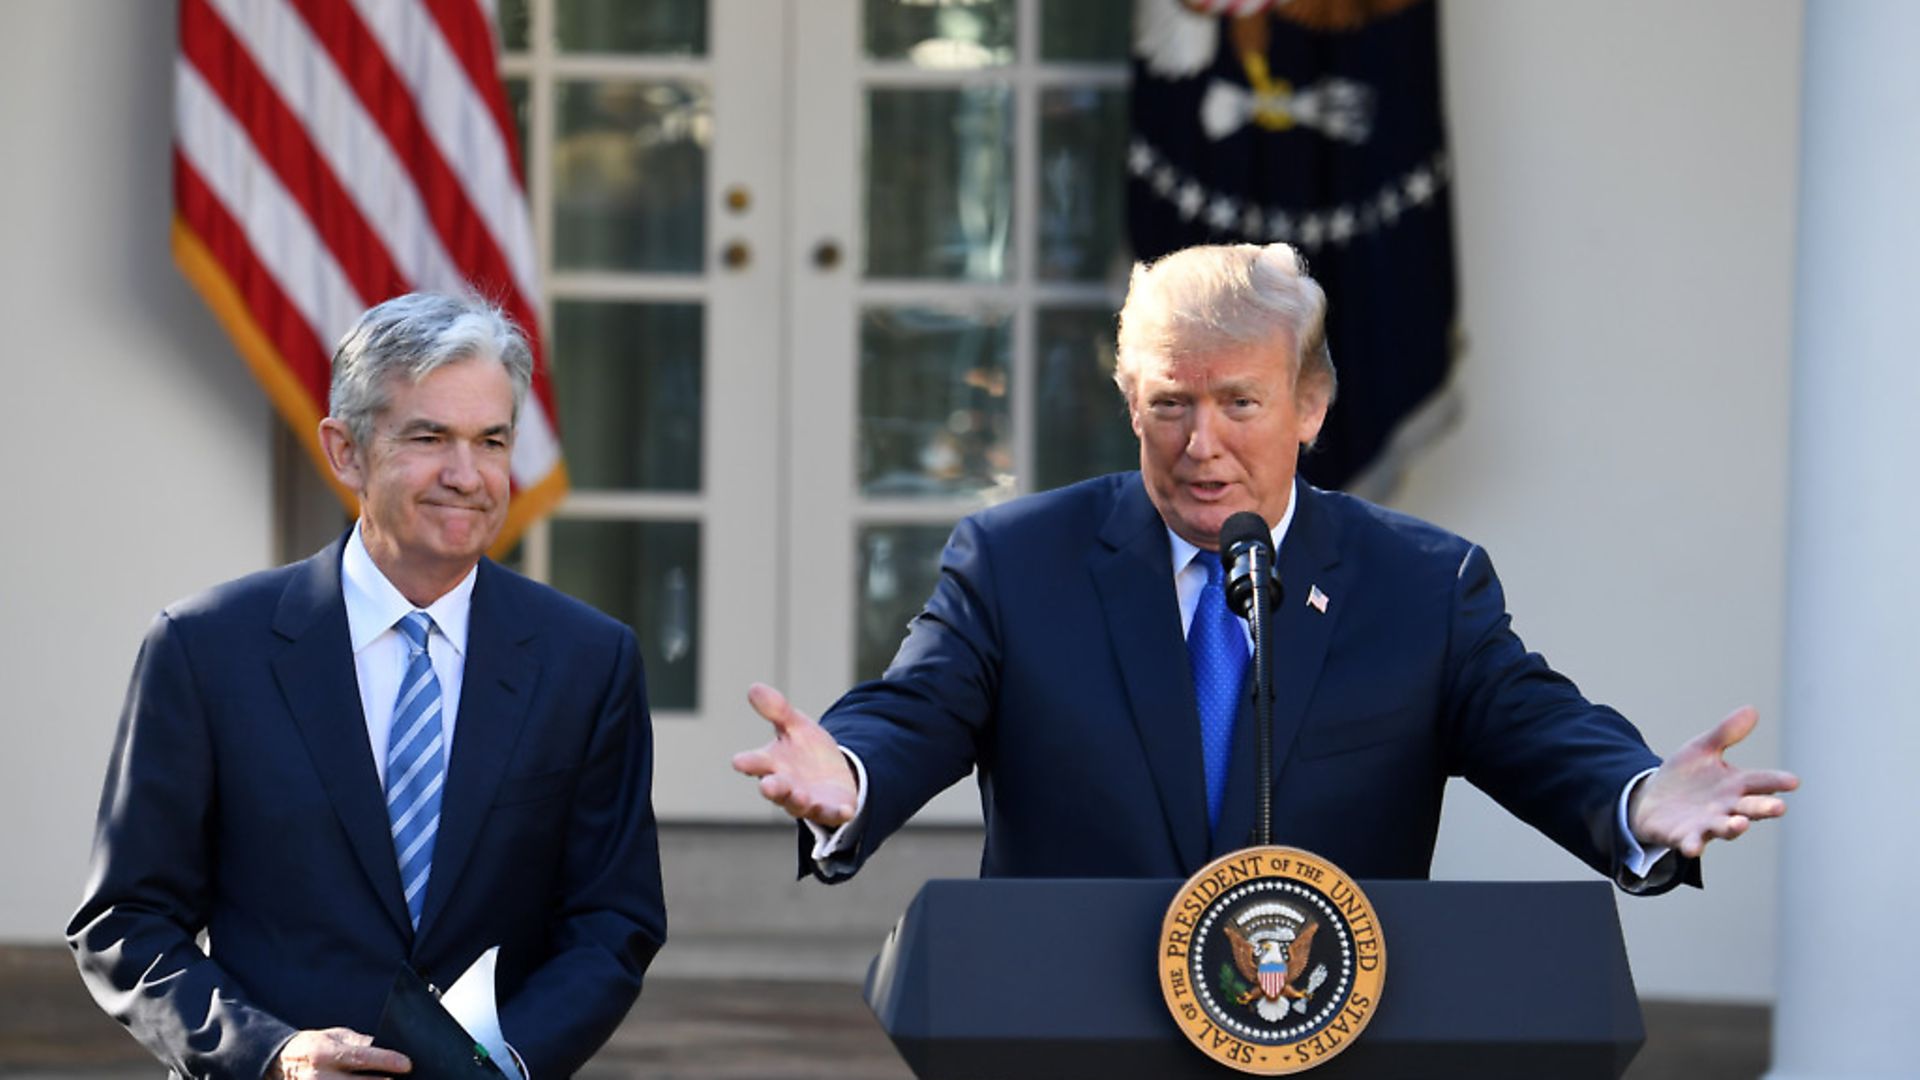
x: 1183, y: 552
x: 374, y: 605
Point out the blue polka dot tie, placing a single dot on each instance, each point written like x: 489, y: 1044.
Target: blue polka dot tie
x: 1217, y: 650
x: 416, y: 763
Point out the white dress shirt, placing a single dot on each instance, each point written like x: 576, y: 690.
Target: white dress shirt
x: 380, y: 649
x: 1189, y: 579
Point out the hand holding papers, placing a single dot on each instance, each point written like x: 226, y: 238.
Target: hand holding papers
x: 452, y: 1036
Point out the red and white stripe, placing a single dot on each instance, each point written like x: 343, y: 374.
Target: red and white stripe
x: 1272, y: 981
x: 330, y: 154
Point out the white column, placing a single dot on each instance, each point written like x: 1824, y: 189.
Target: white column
x: 1849, y: 940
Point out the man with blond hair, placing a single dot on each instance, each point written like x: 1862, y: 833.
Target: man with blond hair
x: 1077, y: 652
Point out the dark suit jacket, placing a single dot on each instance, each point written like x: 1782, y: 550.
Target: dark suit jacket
x: 1051, y: 657
x: 242, y: 800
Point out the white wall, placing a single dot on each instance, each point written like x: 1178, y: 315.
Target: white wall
x: 1625, y: 208
x: 135, y: 441
x: 1624, y: 201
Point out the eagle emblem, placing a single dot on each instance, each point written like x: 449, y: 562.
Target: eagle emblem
x: 1271, y: 960
x: 1272, y: 946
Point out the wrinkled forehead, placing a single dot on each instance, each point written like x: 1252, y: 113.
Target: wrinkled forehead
x: 475, y: 388
x: 1228, y: 363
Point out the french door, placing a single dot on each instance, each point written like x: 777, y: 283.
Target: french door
x: 822, y: 277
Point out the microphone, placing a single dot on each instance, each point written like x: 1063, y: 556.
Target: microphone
x: 1253, y: 590
x: 1246, y: 546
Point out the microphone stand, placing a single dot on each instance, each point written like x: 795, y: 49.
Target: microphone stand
x: 1257, y: 612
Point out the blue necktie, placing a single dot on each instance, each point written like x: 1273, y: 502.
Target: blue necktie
x: 416, y: 763
x: 1217, y: 649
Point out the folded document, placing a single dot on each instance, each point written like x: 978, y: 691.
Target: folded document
x: 455, y: 1036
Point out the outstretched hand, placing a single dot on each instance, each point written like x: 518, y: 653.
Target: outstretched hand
x: 802, y: 770
x: 1697, y: 795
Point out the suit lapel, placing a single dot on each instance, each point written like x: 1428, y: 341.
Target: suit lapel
x: 316, y: 677
x: 1309, y: 559
x: 494, y: 692
x: 1134, y: 576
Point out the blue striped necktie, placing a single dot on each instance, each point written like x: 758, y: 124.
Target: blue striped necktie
x: 1217, y: 651
x: 416, y: 763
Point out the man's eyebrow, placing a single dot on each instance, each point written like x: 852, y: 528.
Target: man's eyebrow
x: 1236, y: 387
x: 424, y: 426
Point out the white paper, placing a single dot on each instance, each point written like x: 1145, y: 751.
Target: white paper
x: 471, y: 1001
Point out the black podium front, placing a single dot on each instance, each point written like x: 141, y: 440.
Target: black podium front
x: 1055, y: 980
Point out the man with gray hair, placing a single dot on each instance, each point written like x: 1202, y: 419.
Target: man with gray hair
x: 1078, y: 652
x: 395, y: 754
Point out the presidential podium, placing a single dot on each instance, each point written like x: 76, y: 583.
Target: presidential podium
x: 1055, y: 980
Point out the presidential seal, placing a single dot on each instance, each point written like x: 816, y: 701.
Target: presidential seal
x: 1271, y: 960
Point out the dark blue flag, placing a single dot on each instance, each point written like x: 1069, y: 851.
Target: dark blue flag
x: 1316, y: 122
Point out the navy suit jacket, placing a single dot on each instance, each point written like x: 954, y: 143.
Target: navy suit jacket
x: 1051, y: 657
x: 242, y: 800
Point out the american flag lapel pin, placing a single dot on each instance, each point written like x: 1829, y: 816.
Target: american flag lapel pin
x: 1317, y: 600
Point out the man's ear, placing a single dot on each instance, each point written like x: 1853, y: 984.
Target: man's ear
x: 344, y: 456
x: 1310, y: 403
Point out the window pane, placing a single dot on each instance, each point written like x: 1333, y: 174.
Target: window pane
x: 948, y: 34
x: 516, y: 22
x: 647, y: 575
x: 1080, y: 420
x: 629, y: 174
x: 519, y: 100
x: 657, y: 27
x: 899, y: 565
x: 934, y: 417
x: 1083, y: 226
x: 1085, y: 30
x: 940, y: 183
x: 629, y: 380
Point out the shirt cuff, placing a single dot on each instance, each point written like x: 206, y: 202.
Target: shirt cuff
x: 833, y: 852
x: 1640, y: 868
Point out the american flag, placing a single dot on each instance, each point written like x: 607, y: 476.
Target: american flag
x: 330, y: 154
